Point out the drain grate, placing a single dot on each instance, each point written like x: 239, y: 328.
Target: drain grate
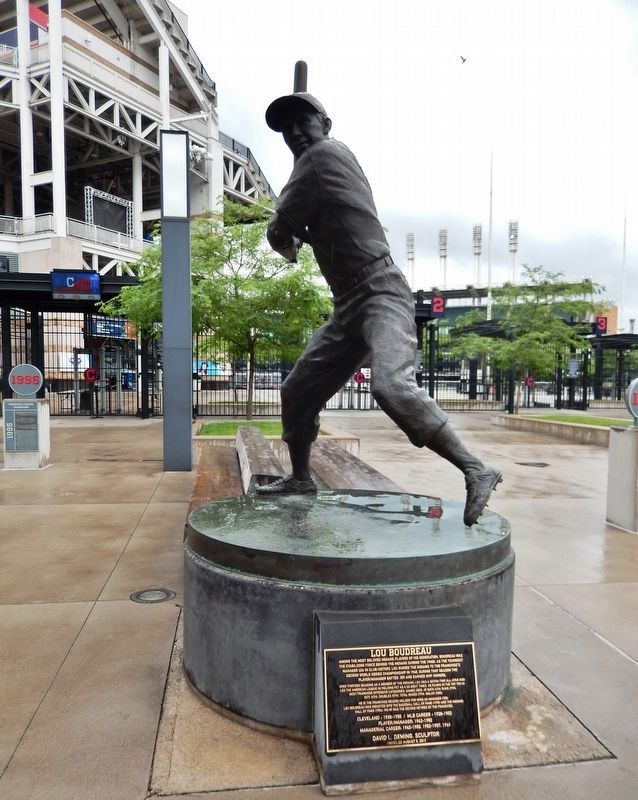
x: 532, y: 464
x: 152, y: 596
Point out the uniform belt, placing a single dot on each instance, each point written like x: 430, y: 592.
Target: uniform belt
x: 344, y: 285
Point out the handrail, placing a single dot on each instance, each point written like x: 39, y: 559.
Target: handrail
x: 100, y: 235
x: 198, y: 63
x: 26, y: 226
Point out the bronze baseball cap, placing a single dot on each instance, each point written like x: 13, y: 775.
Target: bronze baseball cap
x: 282, y: 106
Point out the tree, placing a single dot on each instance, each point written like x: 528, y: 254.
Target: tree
x: 532, y: 322
x: 242, y: 291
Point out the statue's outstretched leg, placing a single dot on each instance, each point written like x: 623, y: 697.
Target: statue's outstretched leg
x: 480, y: 481
x: 390, y: 333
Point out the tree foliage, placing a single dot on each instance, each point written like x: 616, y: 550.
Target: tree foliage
x: 243, y: 292
x: 532, y: 322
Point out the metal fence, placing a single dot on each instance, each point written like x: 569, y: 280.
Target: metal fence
x: 92, y: 365
x: 611, y: 372
x: 71, y: 349
x: 221, y: 380
x: 467, y: 384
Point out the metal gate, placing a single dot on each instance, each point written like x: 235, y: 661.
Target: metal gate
x: 611, y: 372
x: 92, y: 365
x: 463, y: 384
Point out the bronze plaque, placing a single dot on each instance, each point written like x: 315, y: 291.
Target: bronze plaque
x: 410, y: 695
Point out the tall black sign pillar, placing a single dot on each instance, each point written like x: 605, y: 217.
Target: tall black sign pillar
x: 177, y: 336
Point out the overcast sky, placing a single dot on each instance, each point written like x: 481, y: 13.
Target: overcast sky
x: 549, y: 87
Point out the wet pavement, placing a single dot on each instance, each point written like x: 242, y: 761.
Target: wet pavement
x: 83, y: 668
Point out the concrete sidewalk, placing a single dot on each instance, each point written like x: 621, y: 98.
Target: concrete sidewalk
x: 83, y: 668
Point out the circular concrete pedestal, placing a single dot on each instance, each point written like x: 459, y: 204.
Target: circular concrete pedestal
x: 257, y: 569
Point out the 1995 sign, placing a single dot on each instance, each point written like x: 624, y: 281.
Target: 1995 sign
x: 18, y: 380
x: 25, y: 379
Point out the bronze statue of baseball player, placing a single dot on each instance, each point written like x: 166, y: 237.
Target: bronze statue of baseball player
x: 327, y: 203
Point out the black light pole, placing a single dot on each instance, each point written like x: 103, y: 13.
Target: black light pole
x: 177, y: 335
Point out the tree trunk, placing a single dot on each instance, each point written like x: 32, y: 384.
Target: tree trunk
x: 250, y: 389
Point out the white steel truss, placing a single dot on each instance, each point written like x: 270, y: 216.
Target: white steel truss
x: 115, y: 266
x: 110, y: 122
x: 40, y: 88
x: 95, y: 104
x: 239, y: 182
x: 8, y: 87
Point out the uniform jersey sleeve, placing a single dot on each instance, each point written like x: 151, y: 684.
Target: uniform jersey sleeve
x: 298, y: 202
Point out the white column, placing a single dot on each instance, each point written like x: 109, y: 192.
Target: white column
x: 137, y: 192
x: 214, y: 168
x: 26, y: 120
x: 164, y: 85
x: 57, y: 117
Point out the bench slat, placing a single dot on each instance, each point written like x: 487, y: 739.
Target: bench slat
x: 257, y: 462
x: 217, y: 476
x: 339, y: 469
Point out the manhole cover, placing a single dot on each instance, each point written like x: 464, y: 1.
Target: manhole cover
x: 532, y: 464
x: 152, y: 595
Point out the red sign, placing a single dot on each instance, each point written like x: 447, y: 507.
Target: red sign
x: 91, y: 374
x: 438, y: 306
x: 601, y: 326
x: 359, y: 377
x: 632, y: 399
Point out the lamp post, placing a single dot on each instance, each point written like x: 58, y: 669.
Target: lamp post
x: 477, y: 244
x: 489, y: 245
x: 621, y: 305
x: 177, y: 334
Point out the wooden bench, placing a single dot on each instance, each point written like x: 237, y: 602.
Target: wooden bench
x: 226, y: 471
x: 217, y: 475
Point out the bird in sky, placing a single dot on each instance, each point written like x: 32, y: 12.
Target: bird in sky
x: 463, y: 60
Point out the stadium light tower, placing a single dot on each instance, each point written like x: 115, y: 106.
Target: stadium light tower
x: 443, y: 254
x: 513, y: 245
x: 409, y: 250
x: 477, y: 244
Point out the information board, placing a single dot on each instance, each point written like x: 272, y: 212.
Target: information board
x: 396, y: 697
x: 400, y: 696
x: 21, y: 426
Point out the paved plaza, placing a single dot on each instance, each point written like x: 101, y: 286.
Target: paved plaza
x: 83, y: 669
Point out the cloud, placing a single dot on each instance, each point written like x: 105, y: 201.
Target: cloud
x: 547, y: 88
